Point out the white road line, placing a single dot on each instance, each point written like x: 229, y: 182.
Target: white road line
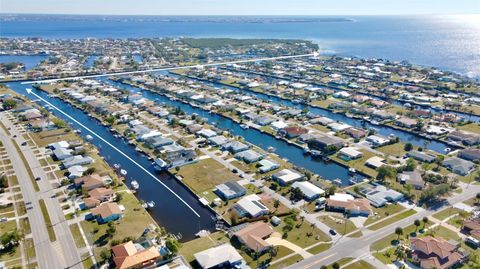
x: 30, y: 91
x: 314, y: 54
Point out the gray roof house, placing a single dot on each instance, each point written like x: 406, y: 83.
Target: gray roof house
x: 235, y: 146
x: 380, y: 195
x: 470, y: 154
x: 218, y: 140
x: 230, y: 190
x: 413, y: 178
x: 421, y: 156
x: 249, y: 156
x: 77, y: 160
x: 264, y: 120
x: 158, y: 141
x: 459, y: 166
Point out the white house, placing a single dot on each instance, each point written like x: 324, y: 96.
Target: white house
x: 310, y: 191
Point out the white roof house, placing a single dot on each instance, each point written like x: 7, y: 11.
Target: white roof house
x: 59, y: 144
x: 343, y: 197
x: 62, y: 153
x: 224, y: 255
x: 287, y: 176
x: 207, y: 133
x: 252, y: 206
x: 76, y: 171
x: 349, y: 153
x: 309, y: 190
x: 277, y: 125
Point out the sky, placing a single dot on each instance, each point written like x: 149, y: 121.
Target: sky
x: 241, y: 7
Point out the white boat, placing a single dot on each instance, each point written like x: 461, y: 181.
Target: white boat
x: 352, y: 170
x: 151, y: 204
x: 271, y: 149
x: 135, y: 185
x: 447, y: 150
x: 337, y: 182
x: 159, y: 164
x: 244, y: 126
x: 89, y: 137
x: 374, y: 122
x: 116, y: 166
x: 123, y: 172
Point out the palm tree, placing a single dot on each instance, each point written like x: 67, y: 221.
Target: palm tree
x: 398, y: 232
x: 417, y: 224
x: 425, y: 221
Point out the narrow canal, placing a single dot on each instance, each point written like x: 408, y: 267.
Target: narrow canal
x: 169, y: 212
x: 327, y: 170
x: 380, y: 129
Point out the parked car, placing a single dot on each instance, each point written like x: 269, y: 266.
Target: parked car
x: 332, y: 232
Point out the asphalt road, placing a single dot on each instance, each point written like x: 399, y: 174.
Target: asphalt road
x: 360, y: 247
x: 63, y: 252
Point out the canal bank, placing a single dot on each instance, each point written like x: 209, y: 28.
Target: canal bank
x: 169, y: 212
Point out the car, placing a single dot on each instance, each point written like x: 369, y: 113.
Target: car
x: 332, y: 232
x: 3, y: 219
x: 24, y: 143
x: 38, y: 178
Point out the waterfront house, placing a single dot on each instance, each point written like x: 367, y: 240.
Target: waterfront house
x: 435, y: 252
x: 76, y: 160
x: 102, y: 194
x: 193, y: 128
x: 254, y: 236
x: 206, y: 133
x: 235, y: 147
x: 421, y: 156
x: 62, y: 153
x: 158, y: 141
x: 89, y: 203
x: 249, y: 156
x: 292, y: 132
x: 130, y: 255
x: 107, y: 212
x: 264, y: 120
x: 177, y: 155
x: 377, y: 140
x: 346, y: 203
x: 251, y: 206
x: 349, y: 153
x: 41, y: 124
x: 355, y: 133
x: 413, y: 178
x: 324, y: 142
x: 380, y: 195
x: 459, y: 166
x: 59, y: 144
x: 277, y: 125
x: 406, y: 122
x: 267, y: 166
x: 466, y: 138
x: 472, y: 228
x: 76, y: 171
x: 218, y: 140
x: 230, y: 190
x: 287, y: 176
x: 310, y: 192
x: 222, y: 256
x: 89, y: 182
x: 470, y: 154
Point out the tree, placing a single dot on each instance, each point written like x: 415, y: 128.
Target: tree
x: 385, y: 172
x: 59, y: 123
x: 425, y: 221
x: 335, y: 265
x: 399, y: 232
x: 417, y: 224
x: 296, y: 194
x: 9, y: 104
x: 273, y: 251
x: 110, y: 120
x: 172, y: 244
x: 477, y: 197
x: 111, y: 229
x: 105, y: 255
x: 408, y: 147
x: 411, y: 164
x: 276, y: 204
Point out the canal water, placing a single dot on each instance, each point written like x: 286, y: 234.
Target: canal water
x: 169, y: 212
x: 90, y: 61
x: 327, y: 170
x: 380, y: 129
x: 30, y: 61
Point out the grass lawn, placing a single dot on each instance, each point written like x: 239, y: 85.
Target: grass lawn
x: 471, y: 127
x: 323, y: 103
x: 389, y: 239
x: 359, y: 265
x: 339, y: 224
x: 6, y: 209
x: 447, y: 212
x: 48, y: 222
x: 289, y: 261
x: 42, y: 139
x: 396, y: 149
x: 265, y: 257
x: 391, y: 220
x: 29, y: 249
x: 7, y: 226
x: 444, y: 232
x: 383, y: 212
x: 25, y: 224
x: 191, y: 247
x: 301, y: 235
x: 359, y: 164
x: 319, y: 248
x: 87, y: 261
x: 205, y: 175
x: 387, y: 256
x: 77, y: 236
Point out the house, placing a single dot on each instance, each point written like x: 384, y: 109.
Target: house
x: 377, y: 141
x: 435, y: 252
x: 59, y: 144
x: 468, y: 139
x: 235, y: 147
x: 355, y: 133
x: 292, y: 132
x: 230, y: 190
x: 413, y: 178
x: 206, y: 133
x: 406, y: 122
x: 76, y: 160
x: 267, y: 166
x: 459, y: 166
x: 249, y: 156
x: 287, y: 176
x: 472, y: 228
x: 263, y: 120
x: 278, y: 125
x: 102, y: 194
x: 76, y: 171
x: 218, y: 140
x: 89, y: 203
x: 129, y: 255
x: 89, y: 182
x: 253, y: 236
x: 349, y: 153
x: 346, y: 203
x: 251, y: 206
x: 222, y: 256
x: 421, y: 156
x: 107, y: 212
x: 177, y: 155
x: 323, y: 142
x: 62, y: 153
x: 158, y: 141
x: 470, y: 154
x: 375, y: 162
x: 310, y: 191
x: 380, y: 195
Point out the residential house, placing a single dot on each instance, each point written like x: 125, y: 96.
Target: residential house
x: 349, y: 153
x: 421, y: 156
x: 346, y: 203
x: 377, y: 140
x: 468, y: 139
x: 355, y: 133
x: 218, y: 140
x: 323, y: 142
x: 472, y: 228
x: 235, y: 147
x: 249, y: 156
x: 380, y: 195
x: 130, y: 255
x: 310, y: 191
x: 459, y: 166
x: 470, y: 154
x: 253, y: 236
x: 62, y: 153
x: 76, y: 160
x: 76, y: 171
x: 267, y: 166
x: 102, y: 194
x: 230, y: 190
x: 435, y: 252
x: 287, y: 176
x: 107, y: 212
x: 251, y: 206
x: 158, y: 142
x: 292, y: 132
x: 222, y: 256
x: 413, y: 178
x: 89, y: 182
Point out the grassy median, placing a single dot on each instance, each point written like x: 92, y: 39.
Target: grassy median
x: 48, y: 222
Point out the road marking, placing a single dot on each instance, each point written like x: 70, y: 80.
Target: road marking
x: 314, y: 54
x: 318, y: 261
x: 30, y: 91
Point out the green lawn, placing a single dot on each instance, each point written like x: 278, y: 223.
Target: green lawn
x: 205, y: 175
x: 387, y: 240
x: 391, y: 220
x: 7, y: 226
x: 359, y: 265
x: 396, y: 149
x: 359, y: 164
x: 48, y: 222
x: 289, y: 261
x: 383, y: 212
x: 445, y: 233
x: 305, y: 235
x: 341, y: 225
x: 320, y: 248
x: 77, y: 236
x: 191, y: 247
x: 445, y: 213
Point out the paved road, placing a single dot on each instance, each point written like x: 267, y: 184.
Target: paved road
x: 50, y: 255
x: 360, y: 247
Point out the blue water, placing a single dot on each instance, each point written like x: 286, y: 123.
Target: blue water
x: 448, y: 42
x: 30, y: 61
x: 90, y: 61
x: 169, y: 212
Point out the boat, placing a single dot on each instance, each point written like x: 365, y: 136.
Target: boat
x: 135, y: 185
x: 337, y: 182
x: 447, y: 150
x: 271, y: 149
x: 151, y: 204
x: 159, y: 164
x: 352, y: 170
x: 89, y: 137
x: 123, y: 172
x: 116, y: 165
x: 244, y: 126
x: 374, y: 122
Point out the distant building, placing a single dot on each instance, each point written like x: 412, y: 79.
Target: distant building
x: 471, y: 154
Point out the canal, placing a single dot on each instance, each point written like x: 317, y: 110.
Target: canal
x: 405, y: 137
x: 327, y: 170
x: 169, y: 212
